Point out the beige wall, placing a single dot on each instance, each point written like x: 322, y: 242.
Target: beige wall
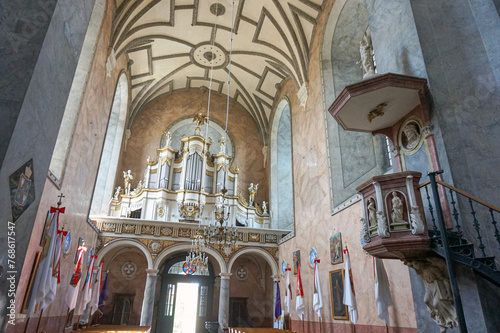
x: 313, y: 223
x: 257, y: 288
x: 146, y: 134
x: 118, y: 284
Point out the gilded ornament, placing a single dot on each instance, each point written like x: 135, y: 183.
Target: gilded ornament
x: 377, y: 112
x: 161, y: 211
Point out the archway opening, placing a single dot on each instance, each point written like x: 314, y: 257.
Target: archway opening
x: 185, y: 301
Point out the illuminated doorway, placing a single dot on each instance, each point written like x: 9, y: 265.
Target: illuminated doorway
x: 185, y: 301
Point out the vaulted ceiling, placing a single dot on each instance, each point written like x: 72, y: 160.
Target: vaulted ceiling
x: 172, y: 45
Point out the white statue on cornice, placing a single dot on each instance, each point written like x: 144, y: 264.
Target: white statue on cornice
x: 222, y: 142
x: 168, y: 138
x: 366, y: 52
x: 128, y: 177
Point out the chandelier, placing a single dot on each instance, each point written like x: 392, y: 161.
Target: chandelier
x: 197, y: 258
x: 219, y: 234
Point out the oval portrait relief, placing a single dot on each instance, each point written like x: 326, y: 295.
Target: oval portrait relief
x: 410, y: 135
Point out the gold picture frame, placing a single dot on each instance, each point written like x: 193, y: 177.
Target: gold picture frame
x: 27, y: 295
x: 339, y: 310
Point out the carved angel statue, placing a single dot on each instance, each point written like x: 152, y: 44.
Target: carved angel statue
x: 168, y: 138
x: 127, y: 178
x: 199, y: 119
x: 222, y: 142
x: 252, y: 190
x: 118, y: 193
x: 264, y: 208
x: 438, y: 296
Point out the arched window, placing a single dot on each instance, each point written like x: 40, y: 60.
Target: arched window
x: 281, y: 204
x: 111, y: 150
x: 353, y: 157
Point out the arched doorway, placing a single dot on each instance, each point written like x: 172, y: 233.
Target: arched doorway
x: 185, y: 301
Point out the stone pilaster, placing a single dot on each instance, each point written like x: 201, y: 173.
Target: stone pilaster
x: 149, y: 297
x: 224, y: 301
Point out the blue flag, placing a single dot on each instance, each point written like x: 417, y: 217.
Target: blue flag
x: 102, y: 296
x: 277, y: 308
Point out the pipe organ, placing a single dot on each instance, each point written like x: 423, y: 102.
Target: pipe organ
x: 186, y: 186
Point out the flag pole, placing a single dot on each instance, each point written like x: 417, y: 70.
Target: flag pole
x: 320, y: 330
x: 39, y: 319
x: 26, y: 326
x: 64, y: 325
x: 303, y: 329
x: 387, y: 328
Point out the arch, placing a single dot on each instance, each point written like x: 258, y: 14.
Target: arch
x: 176, y: 248
x: 255, y: 250
x: 111, y: 149
x: 125, y: 242
x: 345, y: 28
x: 71, y: 112
x: 282, y: 198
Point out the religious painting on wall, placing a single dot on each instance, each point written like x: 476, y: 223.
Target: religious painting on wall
x: 339, y: 310
x: 22, y: 189
x: 27, y: 295
x: 336, y: 254
x: 296, y: 261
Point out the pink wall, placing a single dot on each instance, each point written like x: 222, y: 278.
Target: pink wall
x: 79, y: 180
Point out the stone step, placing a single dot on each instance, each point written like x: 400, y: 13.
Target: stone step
x: 466, y: 250
x: 488, y: 261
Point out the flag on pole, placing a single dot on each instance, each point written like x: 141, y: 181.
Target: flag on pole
x: 349, y: 296
x: 317, y: 297
x: 288, y: 292
x: 87, y: 285
x: 299, y: 303
x: 382, y: 291
x: 96, y: 290
x: 74, y: 284
x: 102, y: 296
x: 45, y: 284
x: 277, y: 306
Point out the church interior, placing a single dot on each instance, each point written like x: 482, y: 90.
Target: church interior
x: 199, y: 166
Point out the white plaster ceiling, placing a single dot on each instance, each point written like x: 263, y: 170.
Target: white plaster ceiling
x: 169, y: 46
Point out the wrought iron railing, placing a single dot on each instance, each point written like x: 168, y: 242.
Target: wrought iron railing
x: 470, y: 219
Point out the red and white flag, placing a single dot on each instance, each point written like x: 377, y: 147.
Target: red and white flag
x: 349, y: 296
x: 74, y: 284
x: 317, y: 297
x: 382, y: 291
x: 45, y: 284
x: 87, y: 286
x: 299, y: 304
x: 288, y: 290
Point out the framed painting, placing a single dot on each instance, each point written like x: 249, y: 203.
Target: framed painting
x: 22, y: 189
x: 27, y: 295
x: 339, y: 310
x: 336, y: 254
x: 296, y: 261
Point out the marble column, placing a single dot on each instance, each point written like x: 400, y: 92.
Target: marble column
x: 149, y: 298
x: 224, y: 301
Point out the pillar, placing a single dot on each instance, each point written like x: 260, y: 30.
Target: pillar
x: 224, y: 301
x: 149, y: 297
